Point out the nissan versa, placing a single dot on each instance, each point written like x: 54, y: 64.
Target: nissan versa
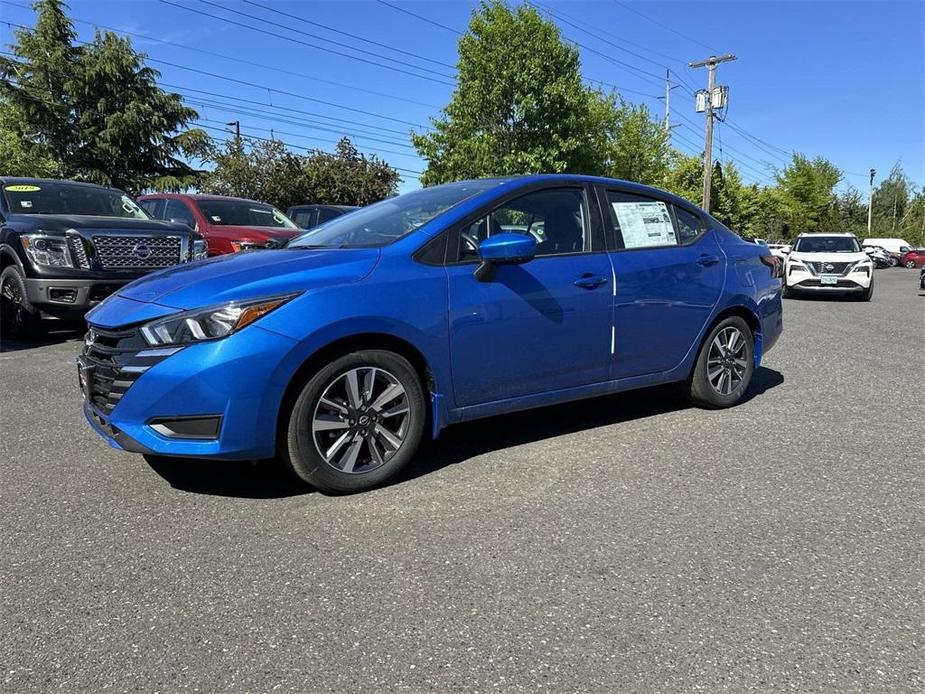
x: 342, y: 350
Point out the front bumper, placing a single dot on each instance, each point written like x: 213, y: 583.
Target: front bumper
x: 852, y: 281
x: 58, y: 296
x: 815, y: 285
x: 240, y: 379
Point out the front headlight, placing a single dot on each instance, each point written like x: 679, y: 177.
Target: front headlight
x: 862, y: 266
x: 50, y: 251
x: 208, y: 323
x: 200, y: 250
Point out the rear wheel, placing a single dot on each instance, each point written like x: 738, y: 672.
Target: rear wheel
x: 724, y: 366
x: 19, y: 319
x: 357, y: 422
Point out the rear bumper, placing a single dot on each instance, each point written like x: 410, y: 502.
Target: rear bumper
x: 69, y: 296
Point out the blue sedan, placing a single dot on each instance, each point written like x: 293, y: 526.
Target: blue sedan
x: 343, y: 350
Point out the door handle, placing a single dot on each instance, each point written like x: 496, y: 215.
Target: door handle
x: 589, y: 281
x: 707, y: 260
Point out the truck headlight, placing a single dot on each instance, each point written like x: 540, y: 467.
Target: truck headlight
x: 208, y: 323
x: 50, y: 251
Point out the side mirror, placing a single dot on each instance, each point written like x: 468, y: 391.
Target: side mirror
x: 504, y: 249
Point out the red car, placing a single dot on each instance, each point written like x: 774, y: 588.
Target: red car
x: 227, y: 224
x: 913, y: 258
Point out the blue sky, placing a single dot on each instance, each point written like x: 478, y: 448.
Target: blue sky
x: 845, y: 80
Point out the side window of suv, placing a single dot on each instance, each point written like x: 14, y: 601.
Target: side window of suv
x: 639, y: 221
x: 555, y: 218
x: 177, y: 211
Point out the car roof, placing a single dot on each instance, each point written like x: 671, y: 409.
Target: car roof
x: 196, y: 196
x: 323, y: 205
x: 826, y: 233
x: 25, y: 180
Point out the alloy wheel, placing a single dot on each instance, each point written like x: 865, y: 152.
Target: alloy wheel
x: 12, y: 305
x: 726, y: 363
x: 361, y: 420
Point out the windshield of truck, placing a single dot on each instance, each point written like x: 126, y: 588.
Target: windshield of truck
x: 61, y: 197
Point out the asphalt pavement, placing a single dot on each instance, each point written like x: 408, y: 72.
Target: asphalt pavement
x: 623, y: 544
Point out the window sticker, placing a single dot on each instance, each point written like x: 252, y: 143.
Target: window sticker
x: 25, y: 203
x: 216, y: 219
x: 644, y: 224
x: 20, y: 188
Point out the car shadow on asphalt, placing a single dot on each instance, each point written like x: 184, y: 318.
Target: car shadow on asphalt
x: 54, y: 336
x: 272, y: 479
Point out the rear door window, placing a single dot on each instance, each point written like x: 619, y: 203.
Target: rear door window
x: 177, y: 211
x: 689, y: 224
x: 639, y: 221
x: 155, y: 208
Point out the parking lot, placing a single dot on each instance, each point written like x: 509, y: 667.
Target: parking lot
x: 628, y: 543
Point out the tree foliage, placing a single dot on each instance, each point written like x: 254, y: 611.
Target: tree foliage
x: 96, y: 110
x: 266, y: 170
x: 520, y: 105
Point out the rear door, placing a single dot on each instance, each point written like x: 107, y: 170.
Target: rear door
x: 669, y: 272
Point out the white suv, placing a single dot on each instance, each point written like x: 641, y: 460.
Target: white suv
x: 828, y: 263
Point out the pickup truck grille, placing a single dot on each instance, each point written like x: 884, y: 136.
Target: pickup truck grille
x: 112, y: 360
x: 137, y: 252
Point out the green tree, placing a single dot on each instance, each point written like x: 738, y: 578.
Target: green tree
x: 807, y: 192
x: 684, y: 176
x: 639, y: 149
x: 889, y: 203
x: 97, y: 110
x: 520, y: 105
x: 19, y: 155
x: 266, y: 170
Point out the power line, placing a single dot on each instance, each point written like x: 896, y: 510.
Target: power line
x: 316, y: 36
x: 344, y: 33
x: 664, y: 26
x: 236, y: 59
x: 421, y: 17
x: 309, y: 45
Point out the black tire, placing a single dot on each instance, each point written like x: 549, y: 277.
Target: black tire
x: 368, y: 428
x: 910, y: 264
x: 704, y: 393
x: 868, y: 293
x: 893, y: 262
x: 19, y: 319
x: 786, y: 292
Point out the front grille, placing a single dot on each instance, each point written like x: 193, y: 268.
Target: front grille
x: 78, y: 251
x: 839, y: 284
x: 823, y: 268
x: 114, y: 360
x: 137, y: 252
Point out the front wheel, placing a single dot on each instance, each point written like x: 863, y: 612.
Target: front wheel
x: 19, y: 319
x: 910, y: 264
x: 868, y: 293
x: 724, y: 366
x: 357, y: 422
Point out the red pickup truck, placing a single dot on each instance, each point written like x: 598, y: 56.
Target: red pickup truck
x: 227, y: 224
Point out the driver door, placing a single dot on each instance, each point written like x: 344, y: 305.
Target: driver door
x: 539, y: 326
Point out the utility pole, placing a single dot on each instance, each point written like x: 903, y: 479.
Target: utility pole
x: 870, y: 200
x: 668, y: 87
x: 237, y: 130
x: 714, y: 99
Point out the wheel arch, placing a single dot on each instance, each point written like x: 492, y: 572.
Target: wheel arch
x: 742, y: 311
x: 354, y: 343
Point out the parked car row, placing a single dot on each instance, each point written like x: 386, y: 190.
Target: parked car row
x: 66, y: 246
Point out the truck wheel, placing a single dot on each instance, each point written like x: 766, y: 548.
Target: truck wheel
x: 910, y: 264
x: 19, y: 319
x: 724, y: 366
x: 357, y: 422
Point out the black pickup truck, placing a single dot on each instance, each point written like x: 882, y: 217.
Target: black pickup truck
x: 66, y: 246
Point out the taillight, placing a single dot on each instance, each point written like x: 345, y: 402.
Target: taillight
x: 773, y: 262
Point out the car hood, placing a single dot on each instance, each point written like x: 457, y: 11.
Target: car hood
x: 829, y: 257
x: 63, y: 222
x: 251, y: 274
x: 262, y: 233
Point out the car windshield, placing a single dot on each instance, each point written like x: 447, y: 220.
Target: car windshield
x: 244, y: 213
x: 827, y: 244
x: 58, y: 197
x: 387, y: 221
